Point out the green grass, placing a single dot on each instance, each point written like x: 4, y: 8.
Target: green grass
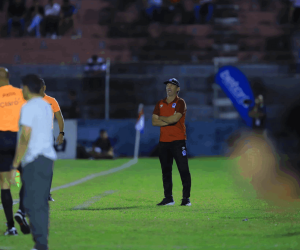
x: 130, y: 219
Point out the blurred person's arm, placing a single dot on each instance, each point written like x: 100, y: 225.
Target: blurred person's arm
x: 171, y: 119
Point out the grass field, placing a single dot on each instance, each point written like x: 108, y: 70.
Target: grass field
x: 128, y: 218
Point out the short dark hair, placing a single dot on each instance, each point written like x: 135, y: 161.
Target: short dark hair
x: 33, y: 82
x: 102, y: 131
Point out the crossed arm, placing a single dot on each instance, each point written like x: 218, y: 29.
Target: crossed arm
x: 162, y: 121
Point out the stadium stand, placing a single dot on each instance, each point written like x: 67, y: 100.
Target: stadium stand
x: 118, y: 30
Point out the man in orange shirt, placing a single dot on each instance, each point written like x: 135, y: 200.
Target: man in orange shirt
x: 169, y: 115
x: 11, y: 102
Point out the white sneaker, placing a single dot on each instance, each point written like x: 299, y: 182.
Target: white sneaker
x: 11, y: 231
x: 54, y: 36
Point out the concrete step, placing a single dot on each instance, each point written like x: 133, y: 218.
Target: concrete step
x: 229, y: 115
x: 225, y: 60
x: 226, y: 47
x: 227, y: 7
x: 227, y: 21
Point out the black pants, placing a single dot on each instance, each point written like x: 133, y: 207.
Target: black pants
x: 36, y: 179
x: 296, y: 15
x: 52, y: 24
x: 167, y: 152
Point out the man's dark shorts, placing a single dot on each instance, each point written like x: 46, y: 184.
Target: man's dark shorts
x: 8, y: 143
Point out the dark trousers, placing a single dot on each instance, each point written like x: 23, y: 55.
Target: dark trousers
x: 52, y: 24
x: 296, y: 15
x: 36, y: 179
x: 167, y: 152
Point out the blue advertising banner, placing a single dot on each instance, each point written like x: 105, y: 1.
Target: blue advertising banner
x: 237, y: 88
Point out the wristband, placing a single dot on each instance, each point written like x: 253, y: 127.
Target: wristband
x: 63, y: 133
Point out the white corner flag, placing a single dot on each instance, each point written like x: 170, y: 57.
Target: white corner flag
x: 141, y: 120
x: 139, y: 127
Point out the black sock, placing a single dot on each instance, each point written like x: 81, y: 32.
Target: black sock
x: 7, y: 203
x: 51, y: 182
x: 21, y: 194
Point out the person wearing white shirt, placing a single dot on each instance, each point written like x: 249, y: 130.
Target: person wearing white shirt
x: 36, y: 153
x: 52, y: 17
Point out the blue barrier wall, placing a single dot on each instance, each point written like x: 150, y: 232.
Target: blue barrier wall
x: 203, y: 137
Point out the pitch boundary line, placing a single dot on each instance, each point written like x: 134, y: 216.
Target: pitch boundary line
x: 91, y: 201
x: 87, y: 178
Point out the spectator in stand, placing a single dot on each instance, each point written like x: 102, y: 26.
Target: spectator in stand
x: 74, y: 112
x: 16, y: 14
x: 294, y: 11
x: 66, y: 16
x: 203, y: 10
x: 52, y: 12
x: 102, y: 148
x: 154, y: 9
x: 2, y: 5
x: 258, y: 113
x: 36, y: 15
x: 175, y: 11
x: 95, y: 65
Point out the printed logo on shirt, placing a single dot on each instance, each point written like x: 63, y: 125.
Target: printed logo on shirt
x: 161, y: 105
x: 174, y: 105
x: 7, y: 104
x: 8, y: 94
x: 184, y: 153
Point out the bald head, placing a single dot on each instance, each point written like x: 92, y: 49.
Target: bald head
x: 4, y: 73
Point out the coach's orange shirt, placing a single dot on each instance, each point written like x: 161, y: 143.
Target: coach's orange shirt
x: 11, y: 102
x: 54, y: 105
x: 176, y: 131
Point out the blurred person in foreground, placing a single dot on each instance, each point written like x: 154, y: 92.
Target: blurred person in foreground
x: 16, y: 14
x: 102, y: 148
x: 36, y: 152
x: 260, y: 161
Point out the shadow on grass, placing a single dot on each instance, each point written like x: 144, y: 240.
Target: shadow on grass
x: 107, y: 208
x: 242, y: 218
x: 284, y: 235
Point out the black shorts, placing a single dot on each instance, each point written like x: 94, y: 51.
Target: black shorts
x: 8, y: 143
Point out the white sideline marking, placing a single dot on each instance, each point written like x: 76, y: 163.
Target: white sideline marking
x: 90, y: 177
x: 91, y: 201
